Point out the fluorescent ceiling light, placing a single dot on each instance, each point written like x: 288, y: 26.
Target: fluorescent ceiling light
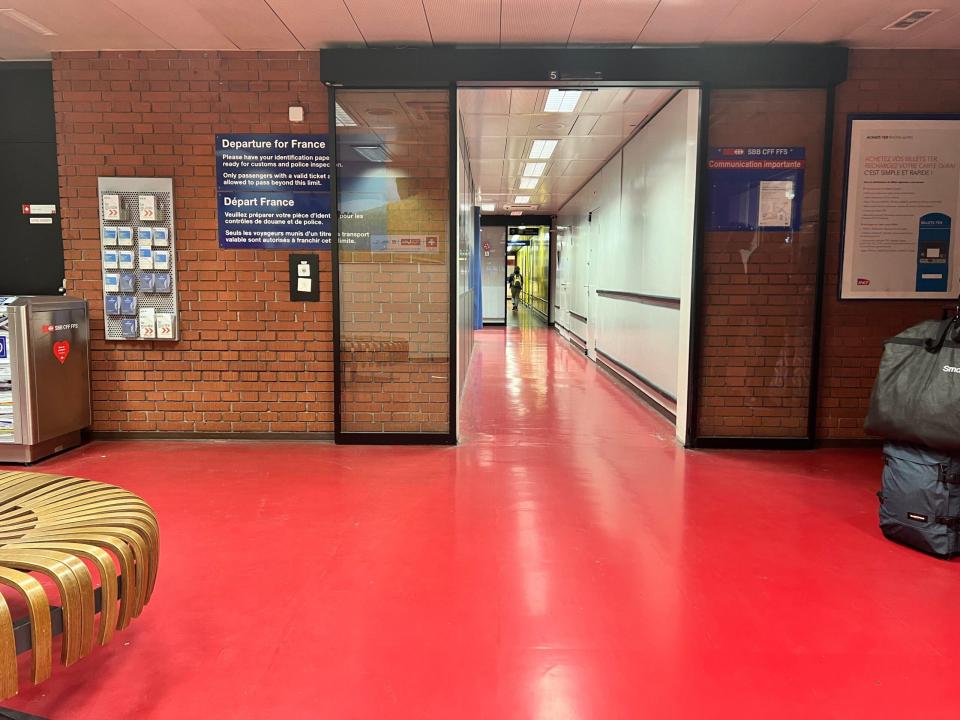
x: 528, y: 183
x: 344, y: 119
x: 521, y: 199
x: 562, y: 101
x: 542, y: 149
x: 517, y: 212
x: 534, y: 169
x: 373, y: 153
x: 26, y: 21
x: 488, y: 207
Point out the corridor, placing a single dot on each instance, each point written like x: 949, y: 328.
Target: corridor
x: 567, y: 561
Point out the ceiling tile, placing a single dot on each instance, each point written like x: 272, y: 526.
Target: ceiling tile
x: 585, y: 125
x: 403, y: 21
x: 611, y: 21
x: 90, y: 25
x: 464, y: 22
x: 318, y: 23
x: 945, y: 34
x: 488, y: 101
x: 872, y: 34
x: 537, y: 22
x: 759, y: 20
x: 835, y: 20
x: 249, y: 24
x: 526, y: 101
x: 178, y: 23
x: 683, y: 21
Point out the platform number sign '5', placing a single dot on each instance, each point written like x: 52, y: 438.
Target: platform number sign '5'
x: 3, y: 347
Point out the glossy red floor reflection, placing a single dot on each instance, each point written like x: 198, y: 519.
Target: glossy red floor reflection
x: 567, y: 561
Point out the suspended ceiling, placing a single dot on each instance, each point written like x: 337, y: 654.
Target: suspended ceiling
x: 303, y: 24
x: 502, y: 124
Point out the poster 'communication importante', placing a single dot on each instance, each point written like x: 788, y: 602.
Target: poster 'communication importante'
x: 902, y: 208
x: 755, y: 188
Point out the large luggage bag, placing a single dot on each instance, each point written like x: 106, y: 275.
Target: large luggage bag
x: 917, y: 393
x: 920, y: 498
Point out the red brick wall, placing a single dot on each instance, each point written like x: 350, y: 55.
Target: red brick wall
x: 759, y: 287
x: 248, y: 359
x: 251, y: 361
x: 853, y: 331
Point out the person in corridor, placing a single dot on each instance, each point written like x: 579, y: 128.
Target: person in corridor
x: 516, y: 285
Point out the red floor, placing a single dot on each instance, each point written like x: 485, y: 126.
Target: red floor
x: 566, y: 561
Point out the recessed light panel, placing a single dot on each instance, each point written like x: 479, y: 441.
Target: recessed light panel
x: 27, y: 21
x: 528, y: 183
x: 344, y: 119
x: 521, y: 199
x: 488, y: 207
x: 373, y: 153
x: 562, y: 101
x: 542, y: 149
x: 534, y: 169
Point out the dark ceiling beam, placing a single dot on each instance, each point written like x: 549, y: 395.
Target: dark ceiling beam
x: 781, y: 65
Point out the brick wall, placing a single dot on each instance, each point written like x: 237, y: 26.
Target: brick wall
x: 248, y: 359
x: 759, y: 286
x: 853, y: 331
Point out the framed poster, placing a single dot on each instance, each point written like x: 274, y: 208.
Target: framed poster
x: 901, y: 208
x: 755, y: 188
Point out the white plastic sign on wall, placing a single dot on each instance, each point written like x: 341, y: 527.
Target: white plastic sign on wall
x: 148, y: 208
x: 111, y: 207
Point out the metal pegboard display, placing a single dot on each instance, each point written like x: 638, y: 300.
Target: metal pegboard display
x: 138, y: 258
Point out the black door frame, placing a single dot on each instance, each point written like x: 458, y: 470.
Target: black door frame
x: 717, y: 67
x: 396, y: 438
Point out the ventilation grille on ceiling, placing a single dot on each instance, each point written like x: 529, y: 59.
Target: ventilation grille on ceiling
x: 910, y: 19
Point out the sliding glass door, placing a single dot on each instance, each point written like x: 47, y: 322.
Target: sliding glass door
x: 394, y: 356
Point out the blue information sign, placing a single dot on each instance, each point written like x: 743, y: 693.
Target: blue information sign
x: 737, y: 177
x: 933, y: 253
x: 273, y: 191
x: 3, y: 347
x: 274, y: 220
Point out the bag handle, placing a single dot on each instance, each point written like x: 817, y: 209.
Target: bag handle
x: 935, y: 344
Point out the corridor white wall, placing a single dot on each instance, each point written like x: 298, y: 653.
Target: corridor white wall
x: 630, y: 230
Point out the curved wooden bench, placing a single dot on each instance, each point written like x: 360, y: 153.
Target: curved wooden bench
x: 61, y: 527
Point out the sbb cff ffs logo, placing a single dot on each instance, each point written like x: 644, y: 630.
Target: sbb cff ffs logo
x: 51, y: 328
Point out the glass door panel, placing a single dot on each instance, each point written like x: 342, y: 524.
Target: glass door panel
x: 393, y: 189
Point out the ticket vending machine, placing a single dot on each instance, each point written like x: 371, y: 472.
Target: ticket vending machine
x: 44, y: 376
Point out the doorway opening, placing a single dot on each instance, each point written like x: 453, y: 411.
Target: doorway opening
x: 610, y: 174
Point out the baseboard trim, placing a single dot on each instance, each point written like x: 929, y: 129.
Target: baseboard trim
x: 849, y: 443
x: 319, y: 437
x: 751, y: 443
x: 639, y: 392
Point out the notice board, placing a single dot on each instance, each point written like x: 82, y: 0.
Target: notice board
x: 273, y: 191
x: 755, y: 188
x: 901, y: 205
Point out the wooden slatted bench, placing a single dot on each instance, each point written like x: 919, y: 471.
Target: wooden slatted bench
x: 68, y: 530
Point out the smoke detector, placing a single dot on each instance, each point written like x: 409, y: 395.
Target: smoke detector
x: 911, y: 19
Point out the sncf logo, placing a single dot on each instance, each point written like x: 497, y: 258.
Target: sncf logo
x: 863, y: 281
x: 951, y: 369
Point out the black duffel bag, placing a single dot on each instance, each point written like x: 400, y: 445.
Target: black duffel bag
x: 916, y: 398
